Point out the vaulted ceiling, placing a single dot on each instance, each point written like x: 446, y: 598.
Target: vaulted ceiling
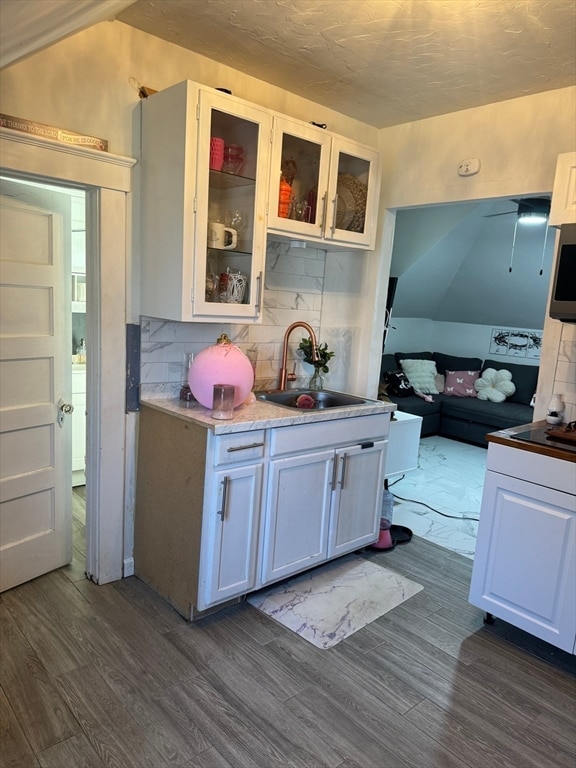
x: 455, y: 263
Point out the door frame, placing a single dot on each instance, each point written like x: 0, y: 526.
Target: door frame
x: 110, y: 468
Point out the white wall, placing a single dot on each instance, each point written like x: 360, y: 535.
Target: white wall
x: 462, y: 339
x: 517, y: 142
x: 88, y: 83
x: 293, y: 290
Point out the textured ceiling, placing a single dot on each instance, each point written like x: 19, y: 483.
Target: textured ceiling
x: 383, y: 62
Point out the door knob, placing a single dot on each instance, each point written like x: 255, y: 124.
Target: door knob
x: 63, y: 409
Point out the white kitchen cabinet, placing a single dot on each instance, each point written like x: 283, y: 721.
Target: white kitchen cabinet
x: 79, y: 425
x: 186, y: 276
x: 357, y: 500
x: 298, y: 514
x: 525, y: 562
x: 322, y: 503
x: 231, y: 516
x: 333, y: 186
x: 228, y: 562
x: 563, y: 205
x: 218, y: 516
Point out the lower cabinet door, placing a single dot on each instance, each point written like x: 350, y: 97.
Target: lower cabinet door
x: 525, y: 562
x: 358, y: 499
x: 297, y: 514
x: 228, y: 561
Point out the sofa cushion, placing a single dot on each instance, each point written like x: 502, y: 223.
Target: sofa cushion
x: 524, y: 377
x: 461, y: 383
x: 417, y: 406
x: 388, y: 364
x: 454, y: 363
x: 412, y: 356
x: 421, y: 375
x: 494, y: 415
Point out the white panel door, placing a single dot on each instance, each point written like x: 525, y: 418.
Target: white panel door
x: 35, y: 459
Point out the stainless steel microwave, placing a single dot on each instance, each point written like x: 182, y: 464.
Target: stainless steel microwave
x: 563, y: 294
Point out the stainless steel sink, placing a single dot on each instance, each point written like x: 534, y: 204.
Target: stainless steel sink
x: 297, y: 399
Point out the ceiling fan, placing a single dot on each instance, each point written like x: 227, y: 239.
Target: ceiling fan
x: 530, y: 209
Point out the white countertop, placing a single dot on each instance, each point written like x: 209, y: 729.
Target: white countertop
x: 260, y: 414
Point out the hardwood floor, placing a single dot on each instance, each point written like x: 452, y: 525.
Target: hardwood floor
x: 111, y: 676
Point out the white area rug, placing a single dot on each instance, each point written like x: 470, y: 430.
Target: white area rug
x: 332, y: 602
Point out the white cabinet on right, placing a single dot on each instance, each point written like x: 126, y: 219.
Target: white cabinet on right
x: 563, y: 206
x: 525, y: 562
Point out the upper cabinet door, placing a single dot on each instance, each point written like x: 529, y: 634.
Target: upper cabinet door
x: 205, y: 160
x: 353, y: 192
x: 230, y: 237
x: 298, y: 178
x: 322, y: 187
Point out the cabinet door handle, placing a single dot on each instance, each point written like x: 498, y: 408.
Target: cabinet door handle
x: 233, y: 448
x: 260, y: 284
x: 324, y: 206
x: 222, y: 510
x: 334, y: 472
x: 343, y: 472
x: 334, y: 212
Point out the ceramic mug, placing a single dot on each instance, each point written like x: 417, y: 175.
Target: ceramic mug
x: 221, y: 237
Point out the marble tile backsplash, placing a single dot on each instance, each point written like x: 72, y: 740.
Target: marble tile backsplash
x: 293, y: 290
x: 565, y: 375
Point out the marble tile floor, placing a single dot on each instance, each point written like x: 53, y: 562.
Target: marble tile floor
x: 449, y: 478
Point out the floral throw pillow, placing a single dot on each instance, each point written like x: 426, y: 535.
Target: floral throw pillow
x: 494, y: 385
x: 461, y: 383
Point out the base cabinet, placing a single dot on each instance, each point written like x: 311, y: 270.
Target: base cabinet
x: 299, y: 494
x: 525, y: 563
x: 324, y: 503
x: 220, y: 516
x: 228, y: 563
x: 357, y: 502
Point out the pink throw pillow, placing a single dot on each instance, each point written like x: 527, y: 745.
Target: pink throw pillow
x: 461, y: 383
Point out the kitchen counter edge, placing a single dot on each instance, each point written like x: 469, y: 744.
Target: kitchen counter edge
x: 506, y: 437
x: 261, y: 415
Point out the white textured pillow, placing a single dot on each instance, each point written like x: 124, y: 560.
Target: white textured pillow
x: 494, y: 385
x: 421, y: 375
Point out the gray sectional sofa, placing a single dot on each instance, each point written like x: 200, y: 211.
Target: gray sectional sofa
x: 467, y: 418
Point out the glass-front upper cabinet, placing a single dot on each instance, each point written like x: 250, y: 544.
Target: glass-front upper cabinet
x: 205, y: 159
x: 233, y: 158
x: 322, y: 187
